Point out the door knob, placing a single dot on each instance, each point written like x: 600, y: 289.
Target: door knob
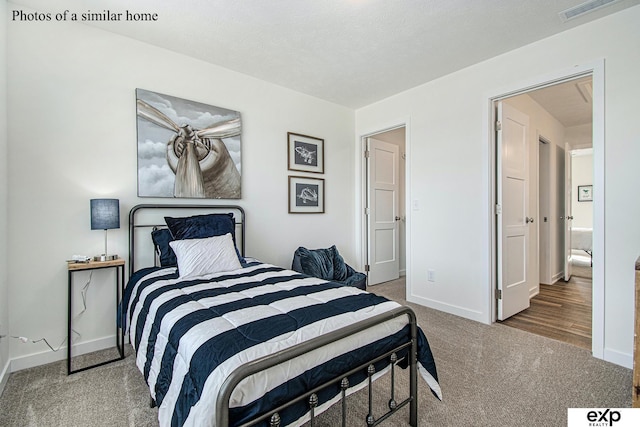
x: 398, y: 218
x: 528, y: 220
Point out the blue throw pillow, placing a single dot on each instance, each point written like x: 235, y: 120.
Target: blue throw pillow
x: 317, y: 262
x: 340, y: 272
x: 203, y: 226
x: 161, y: 239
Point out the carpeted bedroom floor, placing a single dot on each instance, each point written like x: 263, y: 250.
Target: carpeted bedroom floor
x: 490, y: 375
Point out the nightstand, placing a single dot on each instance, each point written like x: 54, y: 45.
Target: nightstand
x: 73, y: 267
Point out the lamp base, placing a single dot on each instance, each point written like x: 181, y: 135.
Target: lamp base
x: 104, y: 257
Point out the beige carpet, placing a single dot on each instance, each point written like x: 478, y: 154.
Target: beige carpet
x: 490, y: 376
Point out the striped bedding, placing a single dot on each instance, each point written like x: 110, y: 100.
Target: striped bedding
x: 190, y: 335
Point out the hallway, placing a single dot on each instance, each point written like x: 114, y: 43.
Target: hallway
x: 561, y: 311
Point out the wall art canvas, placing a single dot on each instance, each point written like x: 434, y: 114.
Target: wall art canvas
x: 187, y: 149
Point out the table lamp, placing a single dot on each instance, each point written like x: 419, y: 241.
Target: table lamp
x: 105, y: 215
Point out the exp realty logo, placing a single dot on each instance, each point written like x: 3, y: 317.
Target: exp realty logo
x: 603, y: 417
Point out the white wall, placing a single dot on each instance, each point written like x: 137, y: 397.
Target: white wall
x: 4, y: 304
x: 449, y: 173
x: 72, y: 137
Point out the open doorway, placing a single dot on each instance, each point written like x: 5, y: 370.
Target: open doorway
x: 384, y: 214
x: 558, y: 305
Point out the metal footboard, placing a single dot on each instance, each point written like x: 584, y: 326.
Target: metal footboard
x: 253, y: 367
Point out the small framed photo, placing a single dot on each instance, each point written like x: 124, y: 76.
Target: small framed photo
x: 306, y: 153
x: 585, y: 193
x: 306, y: 195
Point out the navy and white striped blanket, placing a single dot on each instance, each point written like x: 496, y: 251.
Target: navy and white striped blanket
x: 190, y: 335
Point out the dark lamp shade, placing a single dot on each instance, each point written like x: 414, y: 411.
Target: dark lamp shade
x: 105, y: 214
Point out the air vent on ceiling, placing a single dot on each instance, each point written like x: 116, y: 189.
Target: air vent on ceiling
x: 584, y: 8
x: 586, y: 90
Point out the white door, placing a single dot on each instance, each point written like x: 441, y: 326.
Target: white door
x: 383, y: 186
x: 568, y: 215
x: 512, y: 210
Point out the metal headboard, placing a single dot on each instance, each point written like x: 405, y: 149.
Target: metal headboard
x: 136, y: 223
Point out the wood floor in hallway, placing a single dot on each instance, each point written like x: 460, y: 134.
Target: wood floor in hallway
x: 561, y: 311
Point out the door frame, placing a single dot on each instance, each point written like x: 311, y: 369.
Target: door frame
x: 542, y: 231
x: 361, y: 202
x: 596, y: 71
x: 568, y: 211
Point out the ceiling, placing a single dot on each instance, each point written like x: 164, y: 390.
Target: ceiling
x: 350, y: 52
x: 570, y: 102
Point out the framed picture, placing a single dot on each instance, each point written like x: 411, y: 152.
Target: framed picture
x: 306, y: 195
x: 187, y: 149
x: 305, y: 153
x: 585, y: 193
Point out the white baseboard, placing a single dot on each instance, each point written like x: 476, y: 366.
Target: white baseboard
x: 48, y: 356
x: 4, y: 376
x: 557, y: 276
x: 619, y: 358
x: 449, y: 308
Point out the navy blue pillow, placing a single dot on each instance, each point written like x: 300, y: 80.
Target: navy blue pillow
x: 161, y: 239
x: 317, y: 262
x: 203, y: 226
x: 325, y: 264
x: 340, y: 272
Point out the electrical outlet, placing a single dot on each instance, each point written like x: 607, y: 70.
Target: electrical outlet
x: 431, y: 275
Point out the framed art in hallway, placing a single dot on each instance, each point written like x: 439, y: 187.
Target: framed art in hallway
x: 306, y: 195
x: 585, y: 193
x: 305, y: 153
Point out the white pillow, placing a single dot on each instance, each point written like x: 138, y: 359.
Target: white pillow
x: 197, y: 257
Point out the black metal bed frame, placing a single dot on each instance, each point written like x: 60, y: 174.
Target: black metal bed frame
x: 263, y: 363
x: 239, y: 222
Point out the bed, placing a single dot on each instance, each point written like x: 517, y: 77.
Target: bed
x: 241, y: 342
x: 582, y: 240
